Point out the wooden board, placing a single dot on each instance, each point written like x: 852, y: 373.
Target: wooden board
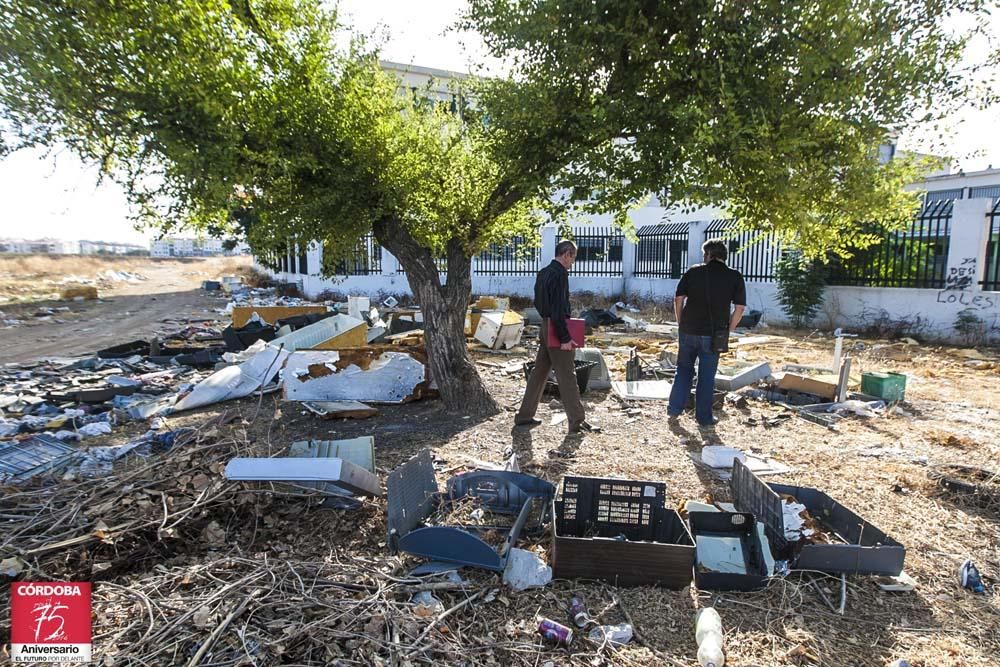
x: 340, y: 409
x: 824, y: 386
x: 271, y: 314
x: 356, y: 337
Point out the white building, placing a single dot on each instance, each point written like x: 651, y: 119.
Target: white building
x: 946, y: 262
x: 40, y: 247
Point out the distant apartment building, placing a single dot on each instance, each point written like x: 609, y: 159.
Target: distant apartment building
x: 40, y: 247
x: 175, y: 246
x: 110, y: 248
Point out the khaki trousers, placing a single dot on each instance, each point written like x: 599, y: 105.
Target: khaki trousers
x: 563, y: 361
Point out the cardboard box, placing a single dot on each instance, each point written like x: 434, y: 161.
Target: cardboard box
x: 824, y: 386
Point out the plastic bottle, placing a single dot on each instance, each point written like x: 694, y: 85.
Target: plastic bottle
x: 616, y: 635
x: 708, y: 635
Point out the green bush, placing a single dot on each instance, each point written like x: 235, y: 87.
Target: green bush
x: 800, y: 287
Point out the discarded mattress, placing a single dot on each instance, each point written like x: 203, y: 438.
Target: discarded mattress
x: 366, y: 375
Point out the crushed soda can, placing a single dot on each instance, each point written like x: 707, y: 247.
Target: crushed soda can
x: 968, y: 576
x: 578, y: 612
x: 616, y: 635
x: 555, y: 632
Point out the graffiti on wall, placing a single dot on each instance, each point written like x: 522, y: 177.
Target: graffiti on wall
x: 961, y: 277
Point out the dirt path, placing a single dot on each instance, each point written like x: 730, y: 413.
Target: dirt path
x: 128, y: 311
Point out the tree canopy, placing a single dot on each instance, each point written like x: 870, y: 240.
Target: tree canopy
x: 774, y: 108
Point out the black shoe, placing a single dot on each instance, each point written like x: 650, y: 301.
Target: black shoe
x: 584, y: 427
x: 527, y: 422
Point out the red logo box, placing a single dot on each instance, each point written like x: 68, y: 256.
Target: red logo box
x: 50, y: 621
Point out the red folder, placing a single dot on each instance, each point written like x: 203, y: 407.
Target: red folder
x: 576, y: 329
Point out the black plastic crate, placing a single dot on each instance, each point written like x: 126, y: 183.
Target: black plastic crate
x: 740, y: 527
x: 619, y: 531
x: 625, y: 507
x: 864, y: 548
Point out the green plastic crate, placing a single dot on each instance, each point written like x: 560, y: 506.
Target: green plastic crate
x: 887, y: 386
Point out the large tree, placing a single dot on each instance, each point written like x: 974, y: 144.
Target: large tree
x: 775, y: 109
x: 247, y: 116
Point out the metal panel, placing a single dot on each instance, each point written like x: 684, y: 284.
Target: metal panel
x: 42, y: 453
x: 412, y: 491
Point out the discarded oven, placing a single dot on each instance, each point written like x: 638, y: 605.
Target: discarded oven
x: 414, y: 499
x: 619, y: 531
x: 864, y: 549
x: 730, y: 556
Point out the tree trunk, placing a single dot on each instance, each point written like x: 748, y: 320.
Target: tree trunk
x: 443, y: 308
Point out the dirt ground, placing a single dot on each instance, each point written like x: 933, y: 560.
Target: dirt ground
x: 169, y: 293
x: 225, y: 542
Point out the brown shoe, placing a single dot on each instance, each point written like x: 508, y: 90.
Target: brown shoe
x: 527, y: 422
x: 584, y: 427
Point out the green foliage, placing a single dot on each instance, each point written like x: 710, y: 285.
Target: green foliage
x: 246, y: 118
x: 800, y: 287
x: 774, y: 108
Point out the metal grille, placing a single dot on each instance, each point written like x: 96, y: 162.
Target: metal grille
x: 598, y: 251
x: 303, y: 259
x: 752, y: 253
x: 662, y: 250
x: 442, y: 265
x: 984, y: 192
x: 943, y: 195
x: 364, y: 260
x: 914, y: 257
x: 991, y: 272
x: 517, y: 257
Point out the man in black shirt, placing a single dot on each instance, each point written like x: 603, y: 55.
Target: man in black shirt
x: 552, y: 302
x: 702, y: 303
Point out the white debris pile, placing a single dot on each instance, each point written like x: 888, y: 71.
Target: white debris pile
x: 795, y: 514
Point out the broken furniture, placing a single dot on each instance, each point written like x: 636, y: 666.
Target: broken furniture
x: 887, y: 386
x: 637, y: 369
x: 619, y: 531
x: 414, y: 497
x: 500, y: 330
x: 862, y: 548
x: 332, y: 467
x: 823, y: 386
x: 583, y: 370
x: 366, y: 374
x: 729, y: 555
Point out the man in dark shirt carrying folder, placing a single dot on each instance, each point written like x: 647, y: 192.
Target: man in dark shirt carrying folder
x: 552, y: 302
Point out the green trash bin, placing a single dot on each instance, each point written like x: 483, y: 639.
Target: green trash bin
x: 887, y: 386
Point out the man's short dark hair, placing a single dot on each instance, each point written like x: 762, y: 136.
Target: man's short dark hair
x: 715, y: 249
x: 564, y: 247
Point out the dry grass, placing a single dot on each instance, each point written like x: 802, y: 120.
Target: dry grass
x: 311, y: 587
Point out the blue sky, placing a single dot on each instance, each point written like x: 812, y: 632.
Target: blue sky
x: 55, y: 195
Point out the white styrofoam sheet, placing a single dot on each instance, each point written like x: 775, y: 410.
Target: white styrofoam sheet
x: 643, y: 390
x: 339, y: 472
x: 389, y: 379
x: 317, y: 332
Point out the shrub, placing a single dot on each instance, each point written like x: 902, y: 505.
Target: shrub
x: 800, y: 287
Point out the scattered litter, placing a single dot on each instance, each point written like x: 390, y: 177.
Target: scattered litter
x: 95, y: 429
x: 643, y: 390
x: 526, y: 570
x: 970, y: 579
x: 903, y: 583
x: 720, y: 456
x: 615, y: 635
x: 426, y: 605
x: 557, y: 418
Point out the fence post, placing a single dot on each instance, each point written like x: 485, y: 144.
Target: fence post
x: 696, y: 234
x: 390, y: 265
x: 967, y: 246
x: 628, y: 263
x: 548, y: 244
x: 315, y: 258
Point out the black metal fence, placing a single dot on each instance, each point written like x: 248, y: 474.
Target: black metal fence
x: 365, y: 259
x: 752, y: 253
x: 913, y: 257
x: 304, y: 259
x: 991, y: 272
x: 598, y: 251
x: 662, y: 250
x: 517, y: 257
x: 442, y: 265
